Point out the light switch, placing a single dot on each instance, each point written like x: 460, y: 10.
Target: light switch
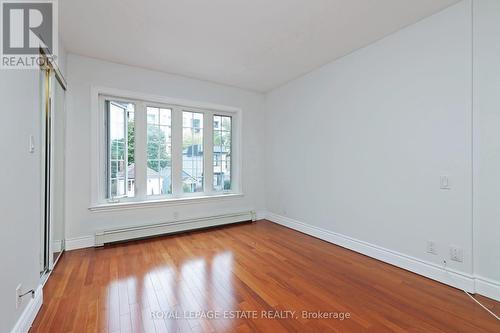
x: 31, y: 144
x: 444, y: 183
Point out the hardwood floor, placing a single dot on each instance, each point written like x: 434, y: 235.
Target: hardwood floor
x: 263, y: 267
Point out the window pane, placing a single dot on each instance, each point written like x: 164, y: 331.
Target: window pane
x: 121, y: 148
x: 217, y: 137
x: 153, y: 186
x: 222, y: 153
x: 192, y: 152
x: 197, y: 120
x: 113, y: 185
x: 165, y: 174
x: 217, y: 122
x: 130, y: 151
x: 226, y: 123
x: 227, y: 176
x: 159, y: 182
x: 197, y: 141
x: 225, y: 138
x: 164, y: 147
x: 165, y: 117
x: 153, y: 117
x: 159, y: 149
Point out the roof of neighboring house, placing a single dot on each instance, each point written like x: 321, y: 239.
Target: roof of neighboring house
x: 187, y: 178
x: 151, y: 173
x: 131, y: 172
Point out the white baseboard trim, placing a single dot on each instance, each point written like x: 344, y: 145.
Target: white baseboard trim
x: 260, y: 214
x: 57, y: 245
x: 26, y: 319
x: 451, y: 277
x: 488, y: 288
x: 79, y: 243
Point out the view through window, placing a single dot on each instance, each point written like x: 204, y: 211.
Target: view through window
x: 121, y: 149
x: 192, y: 152
x: 222, y: 153
x: 159, y: 148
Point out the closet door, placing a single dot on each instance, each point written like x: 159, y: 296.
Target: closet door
x: 53, y: 155
x: 46, y: 91
x: 57, y: 177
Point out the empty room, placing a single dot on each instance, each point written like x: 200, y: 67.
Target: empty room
x: 250, y: 166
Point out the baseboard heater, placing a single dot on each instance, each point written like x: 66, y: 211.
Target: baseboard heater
x: 129, y: 233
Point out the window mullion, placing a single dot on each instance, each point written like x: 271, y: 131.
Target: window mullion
x: 176, y: 151
x: 140, y: 151
x: 208, y: 149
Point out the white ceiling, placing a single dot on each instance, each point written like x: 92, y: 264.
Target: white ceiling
x: 253, y: 44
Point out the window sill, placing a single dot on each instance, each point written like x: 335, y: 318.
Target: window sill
x: 105, y: 207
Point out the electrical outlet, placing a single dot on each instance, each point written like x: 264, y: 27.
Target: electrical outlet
x: 18, y: 295
x: 431, y: 247
x: 456, y: 254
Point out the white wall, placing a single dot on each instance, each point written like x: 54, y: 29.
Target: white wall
x: 487, y: 139
x: 357, y: 147
x: 20, y: 194
x: 86, y: 72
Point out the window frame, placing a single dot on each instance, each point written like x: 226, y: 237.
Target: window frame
x: 205, y: 114
x: 159, y: 106
x: 222, y: 114
x: 141, y: 101
x: 106, y: 184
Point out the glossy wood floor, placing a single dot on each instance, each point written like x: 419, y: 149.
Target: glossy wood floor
x: 140, y: 286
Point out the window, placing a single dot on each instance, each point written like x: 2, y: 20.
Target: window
x: 192, y: 152
x: 120, y: 149
x: 153, y: 150
x: 159, y: 149
x: 222, y: 153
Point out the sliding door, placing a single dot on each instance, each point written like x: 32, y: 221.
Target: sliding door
x: 58, y: 179
x: 53, y: 150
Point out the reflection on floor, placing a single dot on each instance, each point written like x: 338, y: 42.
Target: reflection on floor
x: 254, y: 277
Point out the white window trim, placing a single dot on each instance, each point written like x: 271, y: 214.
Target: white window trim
x: 98, y: 200
x: 105, y: 186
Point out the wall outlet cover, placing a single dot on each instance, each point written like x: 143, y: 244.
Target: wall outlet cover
x: 18, y: 295
x: 431, y: 247
x: 456, y: 254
